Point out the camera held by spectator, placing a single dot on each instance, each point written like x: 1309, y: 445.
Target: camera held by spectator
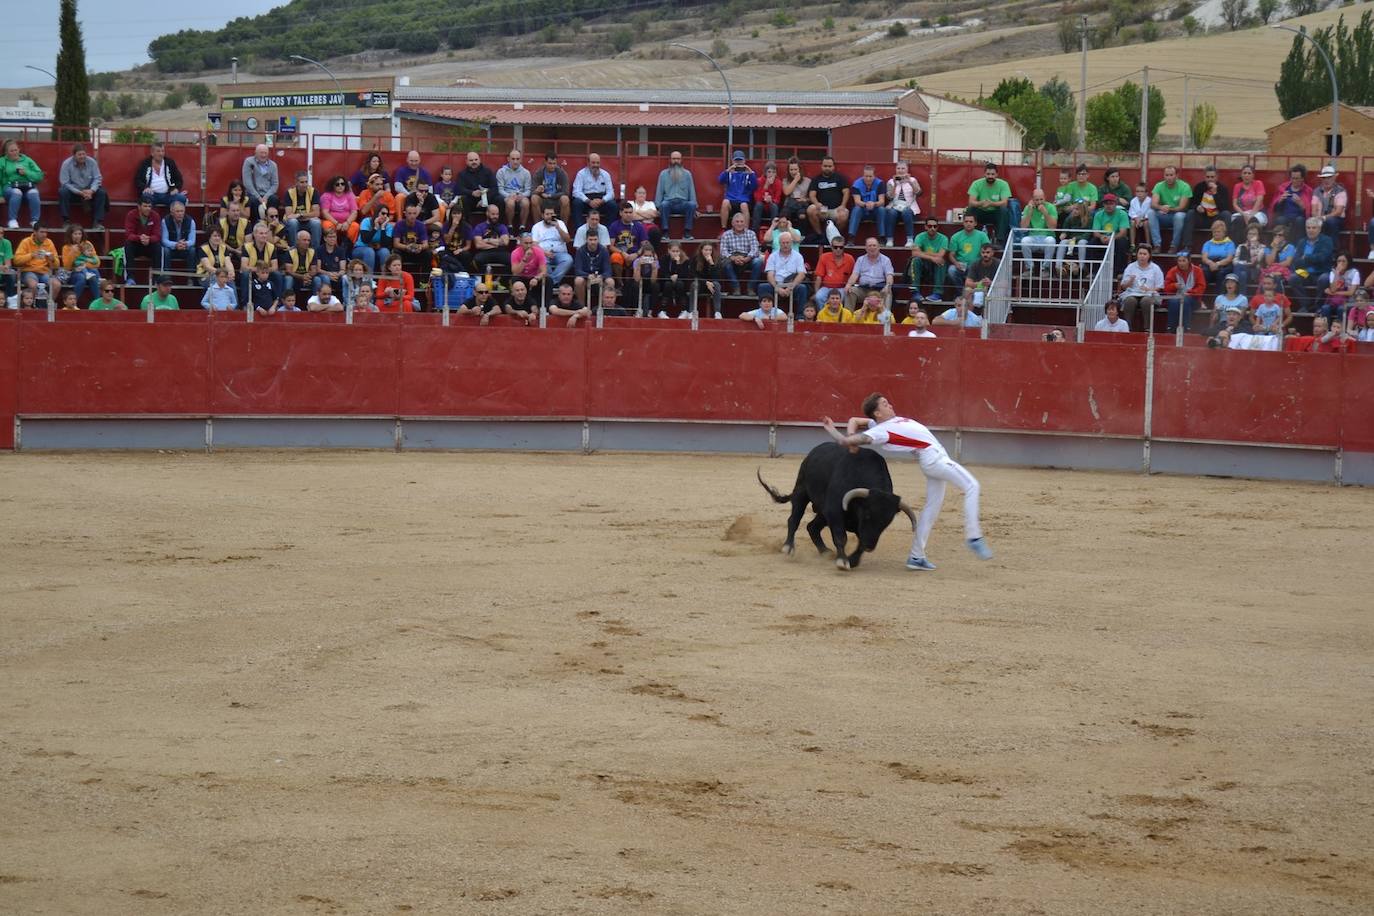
x: 1055, y: 336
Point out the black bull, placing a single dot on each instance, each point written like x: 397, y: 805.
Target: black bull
x: 849, y: 492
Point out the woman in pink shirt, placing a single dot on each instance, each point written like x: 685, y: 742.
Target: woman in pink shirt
x: 1247, y: 197
x: 339, y: 207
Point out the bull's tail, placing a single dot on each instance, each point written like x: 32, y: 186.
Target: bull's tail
x: 773, y: 491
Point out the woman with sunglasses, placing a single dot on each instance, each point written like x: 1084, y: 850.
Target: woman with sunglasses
x: 106, y: 302
x: 339, y: 208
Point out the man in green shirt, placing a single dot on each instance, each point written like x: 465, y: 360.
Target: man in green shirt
x: 1039, y: 219
x: 1082, y: 189
x: 161, y: 298
x: 1110, y: 226
x: 965, y: 247
x: 1171, y: 198
x: 989, y: 200
x: 7, y: 272
x: 929, y: 254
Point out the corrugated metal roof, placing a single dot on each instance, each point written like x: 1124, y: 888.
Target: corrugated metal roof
x: 658, y: 116
x: 876, y: 98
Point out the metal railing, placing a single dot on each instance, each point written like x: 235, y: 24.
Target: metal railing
x: 1061, y: 268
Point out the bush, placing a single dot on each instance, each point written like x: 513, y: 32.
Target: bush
x: 174, y: 99
x: 897, y: 30
x: 719, y: 49
x: 828, y: 23
x: 621, y: 39
x: 200, y: 94
x: 1191, y: 25
x: 945, y: 20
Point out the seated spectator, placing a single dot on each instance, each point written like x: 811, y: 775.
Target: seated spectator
x: 324, y: 300
x: 1247, y: 199
x: 796, y: 191
x: 1081, y: 190
x: 515, y: 185
x: 1073, y: 241
x: 785, y: 270
x: 482, y: 304
x: 491, y: 242
x: 566, y: 305
x: 235, y: 193
x: 1270, y: 316
x: 929, y: 256
x: 873, y: 272
x: 1329, y: 202
x: 1366, y: 333
x: 302, y: 209
x: 551, y: 188
x: 706, y: 265
x: 159, y: 176
x: 178, y: 240
x: 919, y: 322
x: 676, y: 194
x: 641, y: 280
x: 1337, y: 286
x: 903, y: 190
x: 1111, y: 226
x: 738, y: 183
x: 592, y: 268
x: 1056, y: 335
x: 1250, y: 256
x: 9, y: 277
x: 374, y: 197
x: 989, y: 198
x: 375, y: 239
x: 161, y: 298
x: 107, y: 302
x: 1218, y: 255
x: 19, y: 179
x: 300, y: 267
x: 1231, y: 297
x: 477, y: 188
x: 220, y: 295
x: 409, y: 176
x: 959, y: 315
x: 354, y: 280
x: 529, y: 263
x: 833, y: 310
x: 1184, y: 287
x: 1171, y: 199
x: 551, y: 234
x: 521, y: 303
x: 739, y: 250
x: 1315, y: 255
x: 260, y: 249
x: 1232, y: 320
x: 978, y: 277
x: 1269, y: 285
x: 81, y: 182
x: 396, y: 288
x: 80, y: 268
x: 1278, y: 259
x: 1357, y: 317
x: 372, y: 165
x: 1113, y: 321
x: 1063, y: 195
x: 332, y: 258
x: 767, y: 202
x: 277, y: 229
x: 833, y: 267
x: 766, y: 311
x: 234, y: 230
x: 214, y: 256
x: 264, y: 290
x: 676, y: 282
x: 1141, y: 288
x: 1211, y: 201
x: 829, y: 193
x: 446, y: 188
x: 645, y: 212
x: 410, y: 239
x: 609, y: 305
x: 1112, y: 184
x: 626, y: 236
x: 142, y: 237
x: 870, y: 203
x: 1293, y: 203
x: 1144, y: 220
x: 1039, y: 219
x: 261, y: 180
x: 873, y: 310
x: 26, y: 298
x: 592, y: 226
x: 455, y: 244
x: 1228, y: 339
x: 965, y: 248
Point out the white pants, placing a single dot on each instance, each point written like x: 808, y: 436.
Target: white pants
x: 940, y: 471
x: 1043, y: 244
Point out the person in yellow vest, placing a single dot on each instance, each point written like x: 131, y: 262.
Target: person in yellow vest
x: 233, y: 229
x: 302, y: 270
x: 37, y: 262
x: 214, y: 255
x: 303, y: 209
x: 259, y: 249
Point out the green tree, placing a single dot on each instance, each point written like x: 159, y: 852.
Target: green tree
x: 897, y: 30
x: 104, y: 108
x: 1191, y: 25
x: 1058, y: 92
x: 200, y: 94
x: 71, y: 115
x: 828, y: 23
x: 1304, y: 7
x: 1069, y: 37
x: 1304, y: 84
x: 174, y: 100
x: 134, y: 135
x: 1235, y: 13
x: 1266, y: 9
x: 621, y: 39
x: 1113, y: 118
x: 1201, y: 123
x: 1020, y: 99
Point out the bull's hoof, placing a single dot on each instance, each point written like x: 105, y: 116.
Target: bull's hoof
x: 787, y: 549
x: 842, y: 562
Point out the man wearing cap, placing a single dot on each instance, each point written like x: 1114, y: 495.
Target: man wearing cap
x: 739, y: 183
x: 1113, y: 322
x: 1231, y: 324
x: 1110, y: 227
x: 1329, y: 201
x: 1184, y: 286
x: 676, y: 194
x: 142, y: 236
x: 593, y: 189
x: 161, y: 298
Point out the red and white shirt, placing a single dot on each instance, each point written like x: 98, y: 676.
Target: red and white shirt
x: 903, y: 437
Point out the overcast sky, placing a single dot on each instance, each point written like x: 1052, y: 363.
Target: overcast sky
x: 116, y: 32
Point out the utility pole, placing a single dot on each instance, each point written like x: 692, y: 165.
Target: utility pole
x: 1187, y: 122
x: 1145, y: 120
x: 1083, y: 86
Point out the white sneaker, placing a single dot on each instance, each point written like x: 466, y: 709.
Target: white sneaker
x: 662, y: 314
x: 685, y: 316
x: 1370, y: 256
x: 719, y: 316
x: 12, y: 224
x: 891, y: 242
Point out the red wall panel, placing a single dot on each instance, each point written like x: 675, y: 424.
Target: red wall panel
x: 1085, y: 388
x: 1236, y: 396
x: 9, y: 381
x: 1357, y: 402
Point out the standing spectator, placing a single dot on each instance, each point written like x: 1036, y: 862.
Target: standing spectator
x: 929, y: 253
x: 339, y: 208
x: 829, y: 193
x: 1211, y: 202
x: 1184, y: 287
x: 551, y: 234
x: 80, y: 268
x: 1144, y: 221
x: 1039, y: 219
x: 1293, y: 203
x: 158, y: 175
x: 873, y: 272
x: 372, y: 165
x: 142, y: 236
x: 551, y: 188
x: 19, y: 178
x: 220, y: 295
x: 767, y: 196
x: 902, y: 191
x: 263, y: 293
x: 409, y: 176
x: 1113, y: 322
x: 676, y: 278
x: 593, y: 189
x: 1218, y: 254
x: 81, y: 182
x: 739, y: 251
x: 1112, y: 184
x: 966, y: 247
x: 302, y: 205
x: 178, y: 239
x: 1063, y: 195
x: 706, y: 265
x: 515, y: 184
x: 214, y: 255
x: 1315, y: 254
x: 737, y: 183
x: 1270, y: 317
x: 529, y: 263
x: 796, y: 191
x: 1247, y: 198
x: 1329, y: 202
x: 1140, y: 288
x: 1170, y: 198
x: 1110, y: 227
x: 1338, y: 285
x: 786, y: 272
x: 833, y: 267
x: 989, y: 198
x: 676, y: 194
x: 870, y: 203
x: 261, y: 181
x: 260, y: 249
x: 1269, y: 287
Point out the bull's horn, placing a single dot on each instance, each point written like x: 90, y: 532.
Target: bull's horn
x: 856, y: 493
x: 910, y: 512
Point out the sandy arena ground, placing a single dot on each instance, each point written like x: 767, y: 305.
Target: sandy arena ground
x: 514, y: 684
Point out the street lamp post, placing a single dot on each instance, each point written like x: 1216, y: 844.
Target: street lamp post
x: 729, y: 96
x: 44, y: 72
x: 1335, y: 88
x: 343, y: 115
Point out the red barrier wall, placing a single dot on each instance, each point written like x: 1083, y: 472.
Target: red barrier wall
x: 411, y: 366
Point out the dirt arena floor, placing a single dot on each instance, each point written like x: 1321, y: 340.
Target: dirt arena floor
x: 261, y: 683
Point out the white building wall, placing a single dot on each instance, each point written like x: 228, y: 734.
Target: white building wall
x: 956, y: 126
